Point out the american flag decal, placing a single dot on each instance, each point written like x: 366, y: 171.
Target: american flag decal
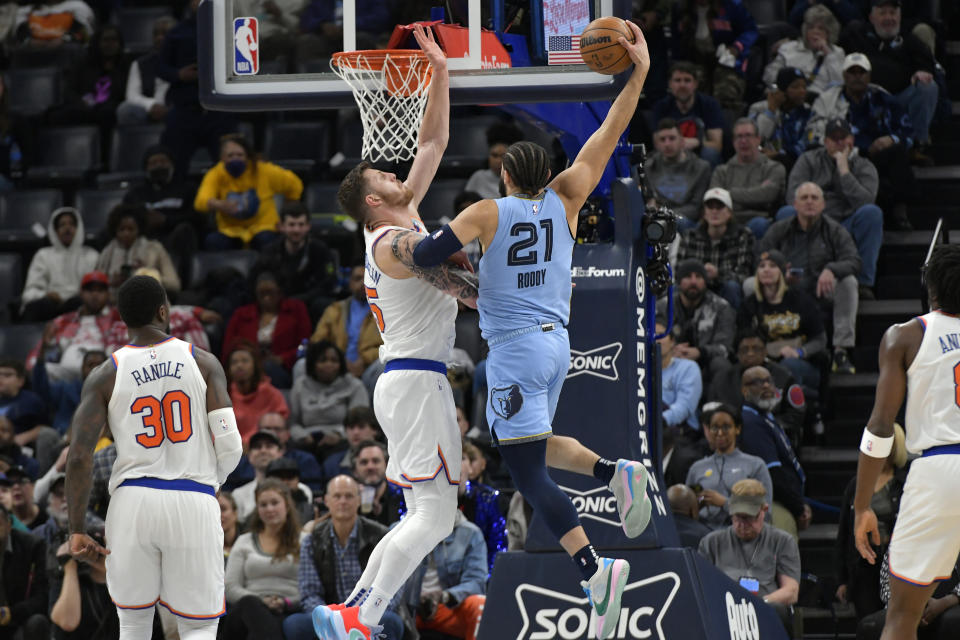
x: 563, y: 50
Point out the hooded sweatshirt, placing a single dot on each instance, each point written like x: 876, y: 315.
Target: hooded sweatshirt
x: 59, y: 268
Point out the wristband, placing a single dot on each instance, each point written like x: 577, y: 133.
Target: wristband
x: 436, y: 247
x: 875, y: 446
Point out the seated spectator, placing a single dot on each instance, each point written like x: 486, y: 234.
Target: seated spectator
x: 25, y: 583
x: 815, y: 53
x: 333, y: 557
x: 320, y: 400
x: 463, y: 200
x: 786, y: 317
x: 260, y: 581
x: 475, y: 463
x: 103, y: 460
x: 857, y: 578
x: 752, y: 352
x: 899, y: 62
x: 278, y: 22
x: 481, y: 505
x: 678, y: 177
x: 96, y: 86
x: 14, y: 455
x: 53, y: 278
x: 380, y: 499
x: 754, y: 181
x: 686, y: 515
x: 168, y: 199
x: 654, y: 17
x: 844, y: 10
x: 723, y: 246
x: 129, y: 250
x: 765, y: 438
x: 61, y: 397
x: 28, y: 413
x: 706, y: 322
x: 941, y: 616
x: 782, y: 118
x: 25, y: 507
x: 303, y: 265
x: 274, y: 322
x: 250, y: 390
x: 14, y: 140
x: 95, y: 326
x: 263, y: 449
x: 240, y: 189
x: 321, y: 27
x: 486, y: 181
x: 309, y: 469
x: 882, y: 132
x: 350, y: 325
x: 359, y: 425
x: 451, y: 602
x: 681, y: 382
x: 144, y: 99
x: 823, y: 262
x: 712, y: 477
x: 697, y: 115
x: 760, y: 557
x: 286, y: 471
x: 51, y: 22
x: 229, y: 522
x: 719, y: 35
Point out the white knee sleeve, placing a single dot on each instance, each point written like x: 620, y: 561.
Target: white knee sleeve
x: 197, y: 629
x: 135, y: 624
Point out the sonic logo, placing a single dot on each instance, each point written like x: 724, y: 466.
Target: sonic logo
x: 246, y: 46
x: 600, y: 362
x: 596, y: 504
x: 549, y: 614
x: 506, y: 401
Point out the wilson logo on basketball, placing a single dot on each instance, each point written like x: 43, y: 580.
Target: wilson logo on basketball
x: 589, y: 41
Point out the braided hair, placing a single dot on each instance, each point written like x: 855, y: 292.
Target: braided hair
x: 528, y: 165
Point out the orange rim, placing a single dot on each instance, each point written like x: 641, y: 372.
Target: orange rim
x: 375, y: 58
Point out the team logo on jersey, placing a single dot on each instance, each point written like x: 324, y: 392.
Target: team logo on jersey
x: 246, y: 46
x: 600, y: 362
x: 506, y: 401
x: 549, y: 614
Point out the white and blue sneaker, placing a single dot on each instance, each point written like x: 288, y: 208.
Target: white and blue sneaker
x: 605, y: 590
x: 342, y: 623
x: 629, y: 486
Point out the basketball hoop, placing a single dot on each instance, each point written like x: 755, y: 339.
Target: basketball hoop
x: 390, y: 88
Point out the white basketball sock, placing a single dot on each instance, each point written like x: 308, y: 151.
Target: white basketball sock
x: 135, y: 624
x: 197, y: 629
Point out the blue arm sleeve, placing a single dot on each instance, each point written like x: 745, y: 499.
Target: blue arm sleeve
x: 436, y: 247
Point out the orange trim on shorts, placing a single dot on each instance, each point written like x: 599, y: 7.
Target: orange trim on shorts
x: 135, y: 606
x: 191, y: 617
x: 399, y: 484
x: 443, y: 467
x: 913, y: 582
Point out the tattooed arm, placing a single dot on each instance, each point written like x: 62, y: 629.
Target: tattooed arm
x: 88, y: 422
x: 397, y: 258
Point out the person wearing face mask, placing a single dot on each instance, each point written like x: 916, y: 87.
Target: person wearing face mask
x: 129, y: 250
x: 764, y: 438
x: 240, y: 190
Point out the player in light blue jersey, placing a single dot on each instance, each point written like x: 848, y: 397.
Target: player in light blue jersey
x: 524, y: 303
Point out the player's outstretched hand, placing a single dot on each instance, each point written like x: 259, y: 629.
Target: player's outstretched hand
x: 429, y: 46
x: 865, y: 531
x: 638, y: 50
x: 86, y: 549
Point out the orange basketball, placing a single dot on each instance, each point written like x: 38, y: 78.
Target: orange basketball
x: 600, y: 48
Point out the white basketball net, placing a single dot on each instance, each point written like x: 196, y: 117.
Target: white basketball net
x: 391, y: 93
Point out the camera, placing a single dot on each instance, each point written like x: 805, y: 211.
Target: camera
x: 660, y: 225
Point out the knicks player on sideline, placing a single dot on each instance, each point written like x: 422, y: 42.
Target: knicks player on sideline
x: 168, y: 408
x: 922, y: 359
x: 416, y: 311
x: 524, y: 303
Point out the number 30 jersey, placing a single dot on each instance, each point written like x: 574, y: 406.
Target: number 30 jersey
x: 158, y: 415
x: 933, y: 385
x: 416, y: 319
x: 525, y: 272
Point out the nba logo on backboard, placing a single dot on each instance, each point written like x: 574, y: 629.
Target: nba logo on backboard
x: 246, y: 46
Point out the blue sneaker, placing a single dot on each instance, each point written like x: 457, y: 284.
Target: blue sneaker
x: 629, y: 485
x: 605, y: 590
x: 342, y: 624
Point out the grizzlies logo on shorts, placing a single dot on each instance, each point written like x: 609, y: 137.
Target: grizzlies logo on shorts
x: 506, y: 401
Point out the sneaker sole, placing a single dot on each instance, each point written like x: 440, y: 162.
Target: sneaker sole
x: 608, y: 624
x: 323, y: 624
x: 636, y: 517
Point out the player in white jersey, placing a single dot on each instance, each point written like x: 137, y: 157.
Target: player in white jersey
x: 416, y: 311
x: 168, y: 408
x: 921, y: 359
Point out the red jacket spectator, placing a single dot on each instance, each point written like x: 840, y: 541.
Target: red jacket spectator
x: 292, y: 327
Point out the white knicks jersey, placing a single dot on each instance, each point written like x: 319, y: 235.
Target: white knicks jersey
x: 416, y: 319
x: 158, y: 415
x: 933, y: 385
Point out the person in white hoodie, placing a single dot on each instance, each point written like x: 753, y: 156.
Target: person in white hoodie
x: 53, y: 279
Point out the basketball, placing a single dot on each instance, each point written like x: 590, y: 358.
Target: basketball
x: 600, y: 48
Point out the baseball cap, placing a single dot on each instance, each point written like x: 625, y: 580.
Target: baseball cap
x: 16, y: 472
x: 856, y: 59
x: 837, y: 126
x: 283, y: 467
x: 260, y: 436
x: 787, y: 76
x: 745, y: 505
x: 95, y: 277
x: 719, y: 194
x: 776, y: 257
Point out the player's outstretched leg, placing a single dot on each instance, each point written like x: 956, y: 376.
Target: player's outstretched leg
x: 605, y: 589
x: 627, y: 479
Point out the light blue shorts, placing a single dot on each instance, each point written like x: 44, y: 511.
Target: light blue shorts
x: 524, y: 378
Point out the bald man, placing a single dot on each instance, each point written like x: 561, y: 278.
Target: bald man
x: 686, y: 515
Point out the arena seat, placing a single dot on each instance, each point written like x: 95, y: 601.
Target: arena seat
x: 95, y: 206
x: 467, y: 149
x: 16, y: 340
x: 65, y: 154
x: 11, y: 285
x: 321, y: 197
x: 767, y: 12
x: 126, y: 152
x: 206, y: 261
x: 298, y: 146
x: 136, y: 25
x: 66, y: 55
x: 20, y: 209
x: 439, y: 200
x: 32, y: 91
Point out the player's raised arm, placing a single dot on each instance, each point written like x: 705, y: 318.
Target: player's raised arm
x: 574, y: 184
x: 435, y: 128
x: 220, y: 417
x: 88, y: 422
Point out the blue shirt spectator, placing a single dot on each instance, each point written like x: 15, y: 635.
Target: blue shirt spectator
x: 681, y: 384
